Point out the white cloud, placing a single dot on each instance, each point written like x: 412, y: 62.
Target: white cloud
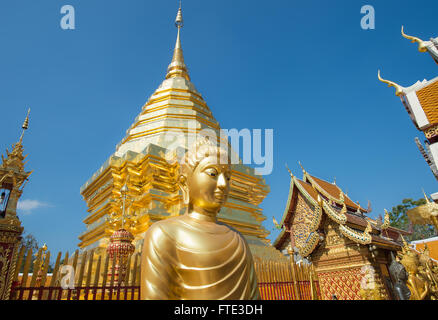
x: 27, y: 206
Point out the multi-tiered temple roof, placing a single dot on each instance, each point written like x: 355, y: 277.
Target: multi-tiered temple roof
x: 311, y: 201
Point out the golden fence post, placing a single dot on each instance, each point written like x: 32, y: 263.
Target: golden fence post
x: 16, y: 272
x: 54, y: 278
x: 60, y: 293
x: 36, y: 267
x: 81, y: 275
x: 134, y: 277
x: 312, y: 289
x: 105, y: 276
x: 42, y: 275
x: 88, y: 279
x: 19, y: 262
x: 294, y: 276
x: 96, y: 277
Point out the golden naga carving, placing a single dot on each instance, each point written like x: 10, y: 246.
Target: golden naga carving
x: 314, y: 236
x: 193, y: 256
x: 340, y: 217
x: 398, y: 88
x: 356, y: 236
x: 422, y: 45
x: 386, y: 222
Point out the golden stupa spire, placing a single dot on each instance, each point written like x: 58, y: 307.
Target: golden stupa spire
x: 177, y: 67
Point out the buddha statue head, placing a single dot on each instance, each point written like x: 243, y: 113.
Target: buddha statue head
x: 204, y: 178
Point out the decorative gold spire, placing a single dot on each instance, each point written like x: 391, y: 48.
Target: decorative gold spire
x: 398, y: 89
x: 25, y: 126
x: 302, y: 168
x: 422, y: 45
x: 290, y: 172
x: 177, y: 67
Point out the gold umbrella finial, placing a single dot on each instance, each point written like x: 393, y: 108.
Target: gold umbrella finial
x: 422, y: 46
x: 179, y: 22
x: 398, y: 88
x: 25, y: 125
x: 177, y: 67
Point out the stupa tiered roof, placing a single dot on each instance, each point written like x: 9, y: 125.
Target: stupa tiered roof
x: 164, y: 128
x: 176, y: 109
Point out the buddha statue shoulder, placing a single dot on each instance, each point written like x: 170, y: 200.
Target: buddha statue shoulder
x: 193, y: 256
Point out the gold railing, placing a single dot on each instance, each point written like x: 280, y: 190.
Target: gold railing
x: 283, y: 280
x: 95, y: 277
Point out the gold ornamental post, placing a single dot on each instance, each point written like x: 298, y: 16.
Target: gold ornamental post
x: 120, y: 247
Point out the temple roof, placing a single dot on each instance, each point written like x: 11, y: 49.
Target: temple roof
x: 333, y: 190
x: 329, y: 199
x: 428, y: 97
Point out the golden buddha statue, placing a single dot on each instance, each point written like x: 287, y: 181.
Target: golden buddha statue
x: 193, y: 256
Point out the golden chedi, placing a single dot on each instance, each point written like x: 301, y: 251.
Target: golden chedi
x: 193, y: 256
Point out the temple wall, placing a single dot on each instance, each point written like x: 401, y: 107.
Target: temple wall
x: 343, y: 266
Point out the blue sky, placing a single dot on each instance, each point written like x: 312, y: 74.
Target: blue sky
x: 304, y: 68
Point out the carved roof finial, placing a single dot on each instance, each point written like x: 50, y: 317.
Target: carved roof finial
x: 290, y: 172
x: 302, y: 168
x: 398, y: 88
x: 422, y: 46
x: 25, y: 126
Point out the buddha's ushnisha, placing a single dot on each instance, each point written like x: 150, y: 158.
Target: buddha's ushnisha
x: 193, y: 256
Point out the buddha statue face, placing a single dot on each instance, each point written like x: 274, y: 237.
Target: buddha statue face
x: 205, y: 178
